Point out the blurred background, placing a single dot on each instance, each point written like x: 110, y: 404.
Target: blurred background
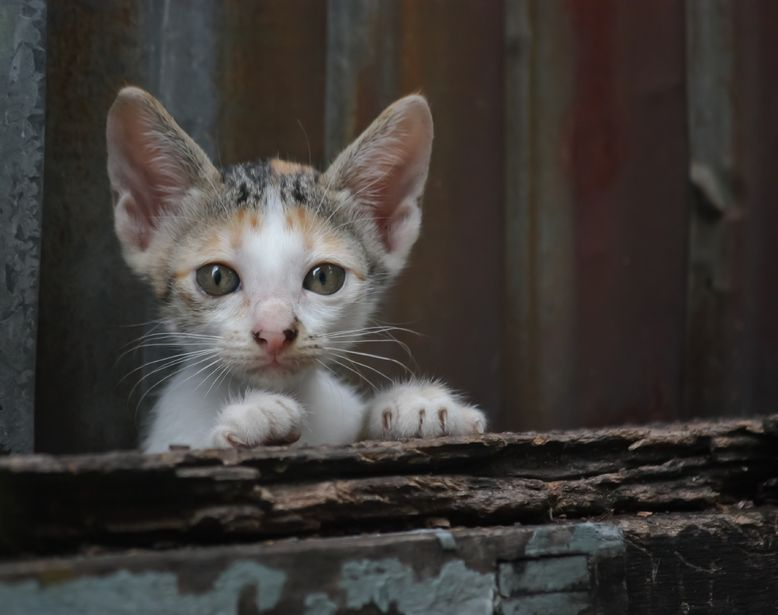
x: 600, y: 226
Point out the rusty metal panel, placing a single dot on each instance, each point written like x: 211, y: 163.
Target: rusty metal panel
x: 539, y: 291
x: 756, y: 99
x: 271, y: 86
x: 596, y: 212
x: 22, y: 105
x: 732, y: 351
x: 717, y: 372
x: 89, y: 299
x: 626, y: 156
x: 86, y: 291
x: 451, y: 291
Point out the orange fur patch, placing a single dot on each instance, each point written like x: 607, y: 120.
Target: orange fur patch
x: 238, y: 225
x: 282, y: 167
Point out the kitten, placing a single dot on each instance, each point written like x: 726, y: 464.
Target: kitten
x: 266, y: 273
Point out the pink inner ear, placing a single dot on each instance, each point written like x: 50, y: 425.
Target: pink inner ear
x: 142, y: 161
x: 152, y: 164
x: 391, y: 226
x: 132, y: 226
x: 386, y: 167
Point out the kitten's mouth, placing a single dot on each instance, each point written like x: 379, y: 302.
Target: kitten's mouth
x: 278, y: 364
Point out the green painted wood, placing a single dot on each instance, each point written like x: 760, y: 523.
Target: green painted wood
x: 567, y: 568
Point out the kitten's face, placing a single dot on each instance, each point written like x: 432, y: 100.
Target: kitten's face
x: 278, y: 279
x: 266, y: 268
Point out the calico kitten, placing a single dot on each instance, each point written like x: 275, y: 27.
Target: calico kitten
x: 267, y: 272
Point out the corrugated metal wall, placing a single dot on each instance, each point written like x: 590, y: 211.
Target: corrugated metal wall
x: 599, y: 226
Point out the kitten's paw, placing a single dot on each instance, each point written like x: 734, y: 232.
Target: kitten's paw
x: 421, y: 410
x: 260, y: 419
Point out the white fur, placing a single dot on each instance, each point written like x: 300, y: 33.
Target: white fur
x: 320, y: 409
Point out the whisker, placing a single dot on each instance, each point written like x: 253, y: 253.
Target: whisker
x: 370, y: 355
x: 365, y: 365
x: 353, y: 371
x: 173, y: 359
x: 158, y: 345
x: 166, y: 366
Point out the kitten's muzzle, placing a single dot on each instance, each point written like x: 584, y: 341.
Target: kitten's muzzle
x: 273, y: 342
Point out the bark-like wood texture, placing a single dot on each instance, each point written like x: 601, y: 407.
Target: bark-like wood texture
x: 60, y: 503
x: 675, y: 518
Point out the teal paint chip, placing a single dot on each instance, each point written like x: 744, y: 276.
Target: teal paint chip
x: 546, y: 604
x: 550, y: 574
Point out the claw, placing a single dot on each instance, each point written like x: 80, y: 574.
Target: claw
x: 422, y: 414
x: 235, y: 442
x: 290, y: 438
x: 387, y: 419
x: 443, y: 420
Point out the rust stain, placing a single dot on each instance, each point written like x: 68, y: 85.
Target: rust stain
x: 594, y: 145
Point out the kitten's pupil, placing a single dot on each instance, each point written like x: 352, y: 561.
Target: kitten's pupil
x: 216, y: 274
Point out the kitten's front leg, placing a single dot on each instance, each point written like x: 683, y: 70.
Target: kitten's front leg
x: 421, y: 410
x: 259, y: 418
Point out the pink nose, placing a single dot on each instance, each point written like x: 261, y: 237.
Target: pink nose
x: 275, y: 341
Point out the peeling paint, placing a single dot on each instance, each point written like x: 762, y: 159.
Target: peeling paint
x: 580, y: 538
x: 446, y: 540
x: 547, y: 574
x: 543, y: 604
x: 150, y: 592
x: 389, y: 585
x: 319, y: 604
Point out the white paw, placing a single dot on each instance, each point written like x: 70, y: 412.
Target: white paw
x: 260, y: 419
x: 421, y: 410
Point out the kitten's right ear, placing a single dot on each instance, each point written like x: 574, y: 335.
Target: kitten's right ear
x: 152, y: 165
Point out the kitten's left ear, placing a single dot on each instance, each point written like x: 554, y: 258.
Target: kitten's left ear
x: 152, y: 165
x: 385, y: 170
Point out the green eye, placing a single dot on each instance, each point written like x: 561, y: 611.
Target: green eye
x: 325, y: 279
x: 217, y: 280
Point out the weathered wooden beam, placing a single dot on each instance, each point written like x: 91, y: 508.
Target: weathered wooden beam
x: 714, y: 562
x: 722, y: 563
x: 565, y: 569
x: 60, y: 503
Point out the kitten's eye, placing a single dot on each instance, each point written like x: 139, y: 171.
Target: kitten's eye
x: 217, y: 279
x: 325, y: 279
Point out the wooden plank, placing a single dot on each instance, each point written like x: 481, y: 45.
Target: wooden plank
x: 58, y: 503
x: 22, y: 106
x: 563, y: 568
x: 723, y: 563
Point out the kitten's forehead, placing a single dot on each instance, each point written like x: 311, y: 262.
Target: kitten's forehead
x: 253, y: 183
x: 259, y: 221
